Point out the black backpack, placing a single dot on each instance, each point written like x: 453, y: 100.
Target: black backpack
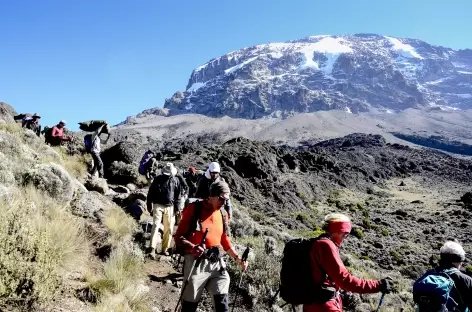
x: 297, y: 285
x: 47, y: 135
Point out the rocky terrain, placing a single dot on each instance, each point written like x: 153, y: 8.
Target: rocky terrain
x: 404, y: 203
x: 353, y: 73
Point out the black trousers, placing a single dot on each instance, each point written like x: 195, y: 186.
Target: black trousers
x: 220, y: 302
x: 97, y: 164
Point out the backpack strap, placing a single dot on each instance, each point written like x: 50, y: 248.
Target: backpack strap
x: 448, y: 273
x: 195, y: 224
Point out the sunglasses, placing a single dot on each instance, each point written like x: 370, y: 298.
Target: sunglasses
x: 222, y: 199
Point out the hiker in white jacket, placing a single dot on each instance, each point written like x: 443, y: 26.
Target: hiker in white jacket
x: 96, y: 149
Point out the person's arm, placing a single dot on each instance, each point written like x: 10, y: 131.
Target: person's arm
x: 229, y: 208
x: 150, y: 197
x: 200, y: 186
x: 177, y: 194
x: 332, y: 265
x: 232, y: 252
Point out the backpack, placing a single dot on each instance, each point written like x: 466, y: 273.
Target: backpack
x: 196, y: 225
x: 143, y: 164
x: 47, y: 135
x: 88, y: 143
x: 431, y: 292
x: 297, y: 285
x: 92, y: 125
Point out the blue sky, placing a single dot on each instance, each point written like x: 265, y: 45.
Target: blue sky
x: 108, y: 59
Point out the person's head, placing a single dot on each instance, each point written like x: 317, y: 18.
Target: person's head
x: 192, y: 171
x: 36, y: 117
x: 338, y: 227
x: 452, y: 255
x: 214, y: 170
x: 169, y: 170
x: 219, y: 194
x: 61, y: 124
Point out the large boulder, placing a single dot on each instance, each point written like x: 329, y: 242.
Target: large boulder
x: 121, y: 173
x: 52, y: 179
x: 97, y: 184
x: 7, y: 112
x: 126, y: 152
x: 90, y: 204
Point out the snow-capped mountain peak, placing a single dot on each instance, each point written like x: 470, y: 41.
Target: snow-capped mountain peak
x: 352, y: 73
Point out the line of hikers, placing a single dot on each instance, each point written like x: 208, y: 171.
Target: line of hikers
x: 312, y: 273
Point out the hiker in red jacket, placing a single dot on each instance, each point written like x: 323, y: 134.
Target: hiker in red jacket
x: 329, y: 270
x: 57, y: 135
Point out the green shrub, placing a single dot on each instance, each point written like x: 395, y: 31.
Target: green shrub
x: 358, y: 233
x: 360, y: 206
x: 366, y: 223
x: 384, y: 232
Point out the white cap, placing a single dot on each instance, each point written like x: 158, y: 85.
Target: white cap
x: 62, y: 122
x: 453, y: 249
x: 214, y: 167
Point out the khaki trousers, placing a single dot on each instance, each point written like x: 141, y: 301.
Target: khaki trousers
x: 164, y: 214
x: 208, y: 275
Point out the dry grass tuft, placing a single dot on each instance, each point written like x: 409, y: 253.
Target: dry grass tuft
x: 121, y: 226
x: 39, y: 242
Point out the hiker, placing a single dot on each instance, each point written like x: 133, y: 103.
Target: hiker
x: 32, y: 123
x: 191, y: 177
x: 211, y: 272
x: 184, y: 195
x: 57, y: 134
x: 163, y: 202
x: 93, y: 146
x: 212, y: 175
x: 430, y: 292
x: 329, y: 270
x: 148, y: 166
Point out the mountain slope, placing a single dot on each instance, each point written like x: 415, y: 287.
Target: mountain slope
x: 354, y: 73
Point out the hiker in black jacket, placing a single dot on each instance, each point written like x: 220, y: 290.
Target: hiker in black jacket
x: 203, y: 188
x: 451, y: 261
x: 163, y: 202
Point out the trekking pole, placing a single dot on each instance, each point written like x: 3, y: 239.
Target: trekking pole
x: 381, y: 301
x: 195, y: 264
x: 244, y: 258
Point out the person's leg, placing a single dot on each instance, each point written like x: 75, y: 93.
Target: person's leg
x: 157, y: 213
x: 218, y: 287
x: 95, y: 164
x: 100, y: 166
x: 196, y: 283
x: 168, y: 227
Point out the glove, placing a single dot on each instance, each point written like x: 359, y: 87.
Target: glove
x: 386, y: 285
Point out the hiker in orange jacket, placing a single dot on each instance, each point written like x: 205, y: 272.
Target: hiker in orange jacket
x: 329, y: 270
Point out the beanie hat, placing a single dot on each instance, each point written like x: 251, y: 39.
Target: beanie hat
x: 218, y: 188
x: 214, y: 167
x: 452, y: 252
x: 192, y: 170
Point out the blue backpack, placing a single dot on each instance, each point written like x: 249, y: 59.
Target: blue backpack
x: 88, y: 143
x: 144, y: 163
x: 431, y: 292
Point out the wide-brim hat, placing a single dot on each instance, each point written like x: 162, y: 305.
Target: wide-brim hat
x: 169, y: 169
x: 36, y: 115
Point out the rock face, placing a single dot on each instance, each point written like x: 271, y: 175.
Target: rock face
x: 98, y: 185
x: 354, y: 73
x: 121, y: 162
x: 6, y: 112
